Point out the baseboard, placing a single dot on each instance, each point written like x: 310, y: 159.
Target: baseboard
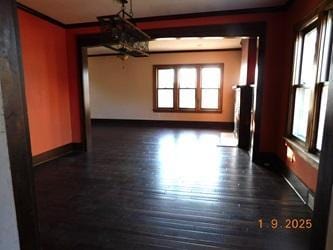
x: 273, y: 162
x: 228, y: 126
x: 56, y: 153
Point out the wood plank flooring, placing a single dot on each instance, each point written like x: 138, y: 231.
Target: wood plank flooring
x: 158, y: 188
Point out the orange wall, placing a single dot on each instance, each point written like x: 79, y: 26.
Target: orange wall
x: 44, y: 54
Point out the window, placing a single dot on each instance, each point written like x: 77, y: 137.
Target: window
x: 187, y: 78
x: 312, y: 58
x: 166, y: 79
x: 210, y: 87
x: 305, y: 83
x: 188, y: 88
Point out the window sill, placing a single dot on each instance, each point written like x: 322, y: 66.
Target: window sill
x: 310, y: 158
x: 187, y: 111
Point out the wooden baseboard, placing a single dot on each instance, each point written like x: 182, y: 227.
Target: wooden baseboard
x: 56, y: 153
x: 228, y: 126
x: 273, y: 162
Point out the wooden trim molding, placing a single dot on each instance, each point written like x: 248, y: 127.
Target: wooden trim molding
x: 227, y: 126
x: 84, y: 98
x: 17, y: 128
x: 230, y: 30
x: 56, y: 153
x: 174, y: 51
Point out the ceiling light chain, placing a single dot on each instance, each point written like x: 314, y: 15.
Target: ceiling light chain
x: 131, y: 8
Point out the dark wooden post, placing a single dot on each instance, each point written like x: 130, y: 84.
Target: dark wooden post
x: 16, y: 124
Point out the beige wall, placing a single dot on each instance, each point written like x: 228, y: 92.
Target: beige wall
x: 124, y: 89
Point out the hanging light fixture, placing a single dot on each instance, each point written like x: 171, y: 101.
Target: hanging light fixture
x: 121, y: 35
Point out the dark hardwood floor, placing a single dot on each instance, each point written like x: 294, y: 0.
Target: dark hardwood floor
x: 158, y: 188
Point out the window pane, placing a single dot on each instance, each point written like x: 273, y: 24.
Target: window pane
x: 297, y: 59
x: 165, y: 98
x: 308, y: 70
x: 211, y: 77
x: 326, y: 50
x: 322, y: 114
x: 187, y: 78
x: 187, y: 98
x: 301, y: 112
x: 166, y: 78
x: 210, y: 99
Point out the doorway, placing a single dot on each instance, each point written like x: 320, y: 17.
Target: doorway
x: 184, y: 80
x: 228, y: 30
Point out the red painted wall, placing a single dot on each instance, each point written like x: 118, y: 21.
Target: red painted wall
x: 303, y: 169
x: 249, y: 61
x: 252, y: 61
x: 44, y: 54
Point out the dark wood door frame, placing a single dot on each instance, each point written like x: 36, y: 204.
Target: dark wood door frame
x: 84, y: 96
x: 257, y: 29
x: 321, y: 211
x: 17, y: 129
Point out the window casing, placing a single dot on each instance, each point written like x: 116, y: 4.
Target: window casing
x: 312, y: 58
x: 188, y: 88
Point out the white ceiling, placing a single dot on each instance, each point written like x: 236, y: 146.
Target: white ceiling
x: 78, y: 11
x: 180, y: 45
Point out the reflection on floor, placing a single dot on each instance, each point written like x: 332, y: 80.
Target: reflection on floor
x: 228, y: 139
x: 155, y: 188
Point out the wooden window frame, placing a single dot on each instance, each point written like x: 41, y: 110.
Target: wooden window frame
x: 178, y: 88
x: 319, y: 22
x: 156, y: 68
x: 198, y: 89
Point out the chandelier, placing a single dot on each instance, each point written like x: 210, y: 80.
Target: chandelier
x: 121, y: 35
